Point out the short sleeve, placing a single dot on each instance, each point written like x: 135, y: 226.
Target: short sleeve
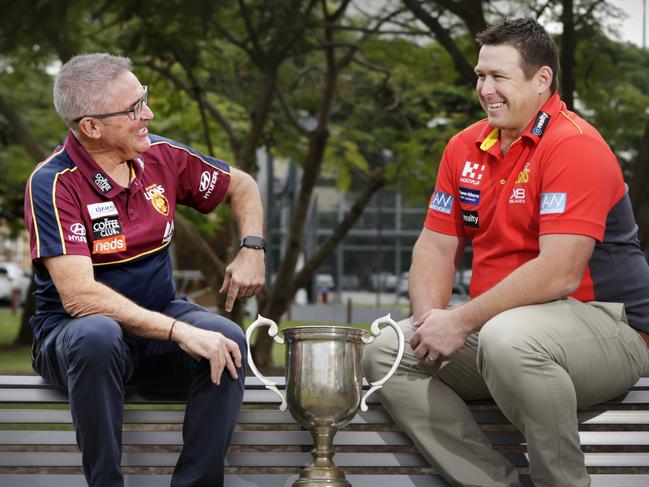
x: 581, y: 181
x: 53, y: 217
x: 444, y: 214
x: 202, y: 181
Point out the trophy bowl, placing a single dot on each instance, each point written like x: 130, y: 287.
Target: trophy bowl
x: 324, y: 385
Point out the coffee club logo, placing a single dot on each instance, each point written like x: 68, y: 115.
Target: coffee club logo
x: 102, y: 183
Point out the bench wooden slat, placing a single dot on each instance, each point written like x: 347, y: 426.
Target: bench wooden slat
x: 295, y: 459
x: 252, y: 459
x: 272, y: 480
x: 274, y: 416
x: 155, y: 416
x: 286, y: 480
x: 303, y: 438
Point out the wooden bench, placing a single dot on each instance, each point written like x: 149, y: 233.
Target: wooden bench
x: 37, y: 442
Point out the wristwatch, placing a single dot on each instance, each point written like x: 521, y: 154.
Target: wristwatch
x: 252, y: 242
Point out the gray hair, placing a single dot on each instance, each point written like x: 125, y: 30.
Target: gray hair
x: 80, y: 85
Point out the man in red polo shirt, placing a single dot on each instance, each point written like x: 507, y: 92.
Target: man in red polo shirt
x: 560, y: 287
x: 100, y: 215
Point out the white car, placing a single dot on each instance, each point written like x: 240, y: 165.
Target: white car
x: 13, y: 277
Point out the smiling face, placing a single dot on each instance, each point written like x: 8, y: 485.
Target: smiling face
x: 507, y: 96
x: 119, y: 138
x: 124, y: 136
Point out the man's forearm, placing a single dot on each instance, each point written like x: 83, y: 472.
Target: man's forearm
x: 537, y: 281
x: 246, y: 206
x: 98, y: 299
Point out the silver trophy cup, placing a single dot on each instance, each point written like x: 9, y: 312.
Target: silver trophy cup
x: 324, y: 385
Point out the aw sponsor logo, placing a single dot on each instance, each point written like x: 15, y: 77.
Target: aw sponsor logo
x: 208, y: 182
x: 100, y: 210
x: 441, y: 202
x: 472, y: 173
x: 524, y: 175
x: 154, y: 193
x: 102, y: 183
x: 540, y: 124
x: 553, y: 203
x: 470, y: 196
x: 169, y: 232
x: 470, y: 218
x: 78, y: 233
x: 517, y: 196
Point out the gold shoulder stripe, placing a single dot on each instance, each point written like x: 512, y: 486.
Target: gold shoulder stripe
x: 191, y: 154
x: 56, y: 210
x: 134, y: 257
x: 31, y: 199
x: 572, y: 121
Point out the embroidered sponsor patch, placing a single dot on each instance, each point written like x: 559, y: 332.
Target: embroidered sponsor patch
x: 110, y: 245
x: 169, y: 232
x: 154, y: 193
x: 469, y: 196
x: 78, y: 233
x: 472, y: 173
x: 100, y: 210
x: 441, y: 202
x: 207, y: 182
x: 540, y: 124
x: 470, y: 218
x: 102, y: 183
x: 553, y: 203
x: 517, y: 196
x: 106, y: 227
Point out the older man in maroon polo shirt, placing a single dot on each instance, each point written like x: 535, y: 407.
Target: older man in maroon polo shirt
x: 100, y: 215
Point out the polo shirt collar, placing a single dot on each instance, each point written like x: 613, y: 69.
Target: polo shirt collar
x: 489, y: 137
x: 99, y: 180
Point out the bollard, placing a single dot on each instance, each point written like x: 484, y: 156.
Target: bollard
x: 15, y: 300
x: 349, y: 310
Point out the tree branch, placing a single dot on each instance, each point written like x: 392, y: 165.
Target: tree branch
x: 25, y: 137
x: 375, y: 182
x: 464, y: 69
x: 181, y: 84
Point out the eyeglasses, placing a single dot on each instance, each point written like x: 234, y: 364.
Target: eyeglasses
x: 133, y: 113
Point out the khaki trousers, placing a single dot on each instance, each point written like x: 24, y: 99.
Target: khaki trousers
x: 539, y: 363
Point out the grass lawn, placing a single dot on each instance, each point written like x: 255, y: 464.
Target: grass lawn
x: 16, y: 360
x: 13, y: 359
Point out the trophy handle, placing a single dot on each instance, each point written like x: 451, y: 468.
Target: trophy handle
x: 376, y: 331
x: 272, y: 331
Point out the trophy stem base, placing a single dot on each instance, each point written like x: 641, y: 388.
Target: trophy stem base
x: 322, y: 472
x: 315, y: 477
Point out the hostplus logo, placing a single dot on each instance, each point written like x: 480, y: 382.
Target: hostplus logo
x: 472, y: 173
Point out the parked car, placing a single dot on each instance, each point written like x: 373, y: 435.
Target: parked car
x: 402, y: 286
x: 383, y: 280
x: 12, y: 276
x: 324, y: 283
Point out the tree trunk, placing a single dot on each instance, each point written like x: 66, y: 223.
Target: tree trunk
x: 567, y: 55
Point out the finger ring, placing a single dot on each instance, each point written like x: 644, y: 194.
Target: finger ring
x: 430, y: 357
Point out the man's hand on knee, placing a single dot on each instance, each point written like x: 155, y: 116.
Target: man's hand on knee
x: 221, y: 352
